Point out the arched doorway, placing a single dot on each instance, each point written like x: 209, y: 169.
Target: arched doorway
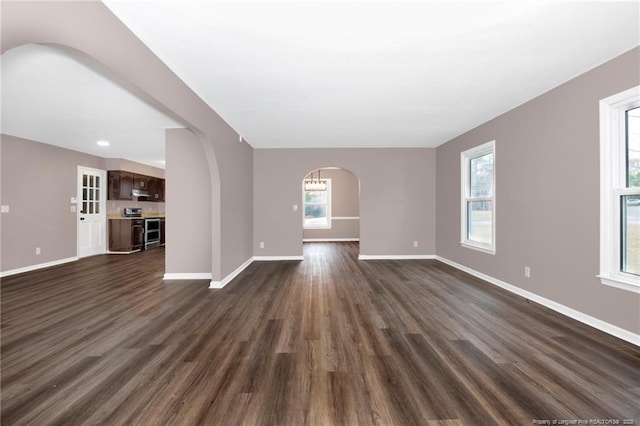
x: 86, y: 92
x: 330, y: 206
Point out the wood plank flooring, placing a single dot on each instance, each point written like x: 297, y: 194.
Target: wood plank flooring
x: 327, y: 341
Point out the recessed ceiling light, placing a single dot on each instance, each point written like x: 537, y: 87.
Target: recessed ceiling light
x: 102, y: 143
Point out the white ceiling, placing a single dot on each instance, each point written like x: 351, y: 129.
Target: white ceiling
x: 319, y: 74
x: 374, y: 74
x: 52, y: 97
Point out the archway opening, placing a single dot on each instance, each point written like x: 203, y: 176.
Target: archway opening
x: 77, y: 98
x: 330, y: 208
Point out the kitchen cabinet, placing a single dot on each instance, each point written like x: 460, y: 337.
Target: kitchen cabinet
x: 160, y: 189
x: 141, y: 182
x: 162, y: 239
x: 126, y: 234
x: 155, y: 188
x: 151, y: 188
x: 120, y: 185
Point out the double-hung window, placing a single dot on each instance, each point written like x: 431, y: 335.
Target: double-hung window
x: 478, y: 230
x: 620, y: 190
x: 317, y: 204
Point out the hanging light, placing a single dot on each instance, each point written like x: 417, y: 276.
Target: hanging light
x: 315, y: 184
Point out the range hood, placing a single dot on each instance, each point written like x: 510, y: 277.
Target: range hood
x: 140, y: 193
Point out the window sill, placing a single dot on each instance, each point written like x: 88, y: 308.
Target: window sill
x: 621, y: 283
x: 317, y: 227
x: 483, y: 249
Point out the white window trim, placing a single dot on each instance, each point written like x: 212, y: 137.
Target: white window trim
x: 465, y: 158
x: 329, y: 219
x: 613, y: 186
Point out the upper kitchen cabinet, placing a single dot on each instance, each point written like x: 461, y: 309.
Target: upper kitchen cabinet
x: 141, y: 182
x: 155, y: 188
x: 161, y: 191
x: 120, y: 185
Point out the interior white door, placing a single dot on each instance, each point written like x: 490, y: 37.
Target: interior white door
x: 92, y: 218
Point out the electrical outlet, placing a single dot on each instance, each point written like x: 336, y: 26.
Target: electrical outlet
x: 73, y: 208
x: 295, y: 207
x: 38, y: 251
x: 415, y: 244
x: 4, y: 209
x: 527, y: 272
x: 261, y: 244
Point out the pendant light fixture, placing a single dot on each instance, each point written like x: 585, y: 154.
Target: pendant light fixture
x: 315, y: 184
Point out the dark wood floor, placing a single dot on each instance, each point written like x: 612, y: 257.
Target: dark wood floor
x: 330, y: 340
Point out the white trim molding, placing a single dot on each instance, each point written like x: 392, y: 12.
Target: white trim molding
x: 613, y: 187
x: 276, y: 258
x: 38, y: 266
x: 327, y: 204
x: 123, y: 252
x: 562, y: 309
x: 396, y: 256
x: 226, y: 280
x: 187, y: 276
x: 329, y: 240
x: 466, y: 197
x: 346, y: 218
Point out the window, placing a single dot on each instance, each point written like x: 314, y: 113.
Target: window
x: 317, y: 205
x: 620, y: 190
x: 477, y: 167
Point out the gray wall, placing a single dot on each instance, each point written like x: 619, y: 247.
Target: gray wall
x: 188, y: 231
x: 38, y: 181
x: 345, y: 202
x: 547, y: 195
x: 80, y: 27
x: 397, y: 198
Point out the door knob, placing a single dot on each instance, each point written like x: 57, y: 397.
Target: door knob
x: 82, y: 218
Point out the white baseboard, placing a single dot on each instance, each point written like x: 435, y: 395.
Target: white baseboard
x: 395, y: 256
x: 231, y: 276
x: 38, y: 266
x: 329, y: 240
x: 565, y: 310
x: 226, y: 280
x: 276, y: 258
x: 187, y: 276
x: 123, y: 252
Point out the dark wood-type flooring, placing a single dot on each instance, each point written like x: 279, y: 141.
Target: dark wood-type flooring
x: 327, y: 341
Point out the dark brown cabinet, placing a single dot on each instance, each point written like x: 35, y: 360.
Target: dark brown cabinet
x: 120, y: 185
x: 162, y: 239
x: 126, y: 234
x: 141, y: 182
x: 151, y: 189
x: 155, y: 188
x: 161, y: 197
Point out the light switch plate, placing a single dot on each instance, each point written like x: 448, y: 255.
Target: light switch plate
x: 4, y: 209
